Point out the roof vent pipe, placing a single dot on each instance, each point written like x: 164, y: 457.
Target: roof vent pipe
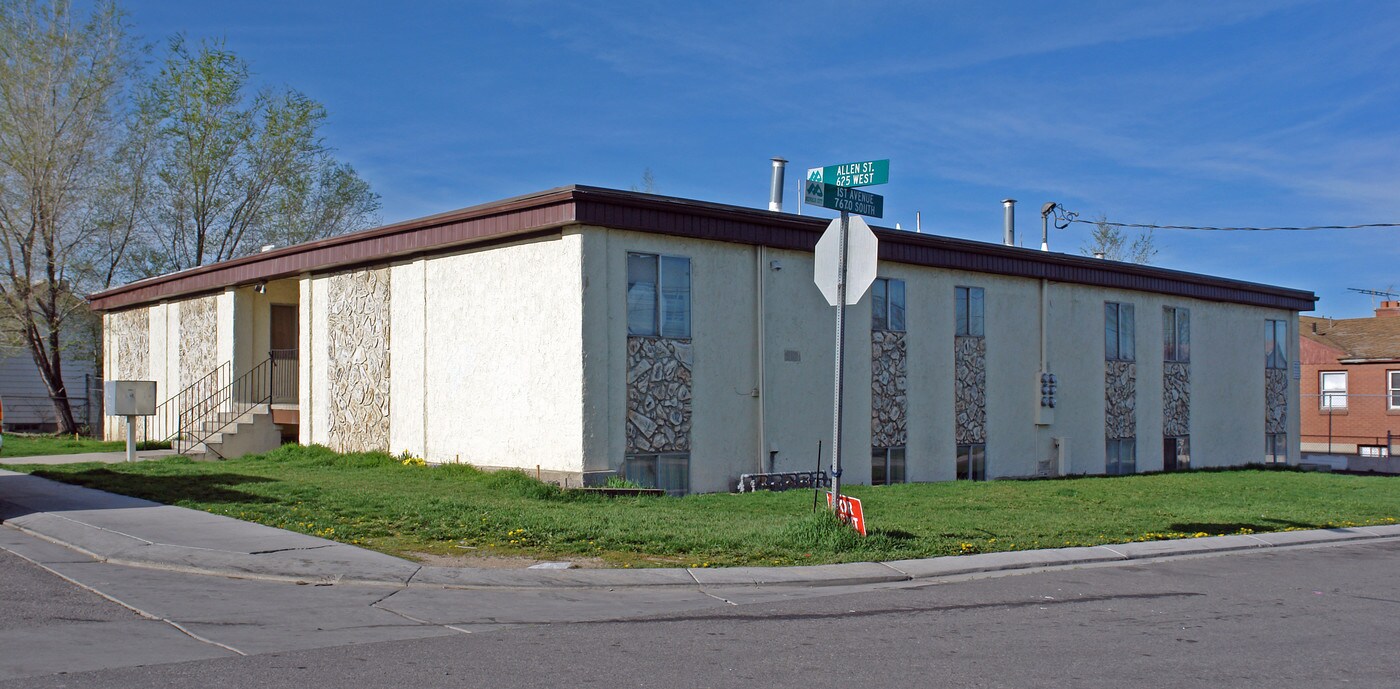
x: 775, y: 193
x: 1009, y: 238
x: 1045, y: 212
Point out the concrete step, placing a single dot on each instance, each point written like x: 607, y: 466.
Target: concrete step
x: 251, y: 432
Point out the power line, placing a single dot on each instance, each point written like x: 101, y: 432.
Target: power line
x: 1142, y: 226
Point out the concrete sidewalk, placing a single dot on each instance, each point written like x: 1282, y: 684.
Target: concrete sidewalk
x: 129, y: 531
x: 103, y: 457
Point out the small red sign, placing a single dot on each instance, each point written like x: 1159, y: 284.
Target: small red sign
x: 849, y: 512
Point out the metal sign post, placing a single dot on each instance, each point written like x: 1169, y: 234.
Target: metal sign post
x: 845, y: 262
x: 840, y: 358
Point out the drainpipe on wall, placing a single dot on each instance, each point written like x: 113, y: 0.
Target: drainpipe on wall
x: 760, y: 266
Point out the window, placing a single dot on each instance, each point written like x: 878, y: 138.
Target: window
x: 1334, y: 389
x: 1276, y: 448
x: 1121, y: 456
x: 1176, y: 453
x: 1393, y: 388
x: 670, y: 471
x: 1176, y: 334
x: 1276, y: 344
x: 970, y: 311
x: 887, y: 305
x: 1373, y: 450
x: 972, y: 462
x: 1118, y: 322
x: 650, y: 276
x: 886, y: 466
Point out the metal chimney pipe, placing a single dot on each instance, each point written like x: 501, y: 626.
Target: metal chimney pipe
x: 775, y: 193
x: 1009, y: 238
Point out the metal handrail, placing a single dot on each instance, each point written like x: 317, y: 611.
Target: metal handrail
x: 168, y: 413
x: 235, y: 400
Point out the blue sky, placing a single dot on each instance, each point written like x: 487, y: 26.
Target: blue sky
x: 1186, y: 113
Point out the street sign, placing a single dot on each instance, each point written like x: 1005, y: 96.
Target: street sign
x: 862, y: 255
x: 850, y: 512
x: 845, y: 199
x: 863, y: 174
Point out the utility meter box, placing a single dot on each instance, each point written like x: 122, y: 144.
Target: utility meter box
x: 129, y: 397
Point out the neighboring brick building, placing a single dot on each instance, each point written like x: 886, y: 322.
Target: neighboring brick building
x: 1350, y: 393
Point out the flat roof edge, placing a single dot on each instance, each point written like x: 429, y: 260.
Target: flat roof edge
x: 578, y: 204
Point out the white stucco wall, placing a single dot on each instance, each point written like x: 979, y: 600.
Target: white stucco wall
x: 1227, y: 400
x: 503, y: 355
x: 485, y: 356
x: 315, y: 386
x: 408, y: 323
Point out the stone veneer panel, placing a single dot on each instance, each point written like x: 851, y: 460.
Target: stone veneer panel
x: 1275, y: 400
x: 1120, y: 399
x: 970, y: 390
x: 199, y: 323
x: 131, y: 339
x: 658, y: 394
x: 357, y: 365
x: 888, y: 389
x: 1176, y: 399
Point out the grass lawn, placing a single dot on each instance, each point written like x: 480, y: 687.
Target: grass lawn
x: 376, y: 501
x: 33, y: 445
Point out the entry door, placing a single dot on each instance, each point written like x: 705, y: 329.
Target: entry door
x: 284, y: 328
x: 282, y: 340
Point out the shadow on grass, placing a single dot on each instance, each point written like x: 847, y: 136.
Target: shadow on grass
x: 166, y: 489
x: 1227, y: 528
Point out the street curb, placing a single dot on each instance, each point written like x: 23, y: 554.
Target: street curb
x: 320, y: 561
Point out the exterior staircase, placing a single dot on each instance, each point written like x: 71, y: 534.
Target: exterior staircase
x: 236, y: 419
x: 234, y: 434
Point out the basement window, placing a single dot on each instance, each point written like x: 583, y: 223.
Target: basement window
x: 669, y: 471
x: 972, y: 462
x: 1176, y: 453
x: 886, y: 466
x: 1276, y: 448
x: 1121, y: 456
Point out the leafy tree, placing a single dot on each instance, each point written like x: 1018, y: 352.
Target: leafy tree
x: 232, y: 169
x: 1109, y: 240
x: 62, y: 114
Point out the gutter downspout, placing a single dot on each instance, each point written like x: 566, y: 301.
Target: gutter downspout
x: 760, y: 391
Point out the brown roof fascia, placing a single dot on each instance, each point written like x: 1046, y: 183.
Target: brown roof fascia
x: 700, y: 220
x: 516, y: 216
x: 684, y: 218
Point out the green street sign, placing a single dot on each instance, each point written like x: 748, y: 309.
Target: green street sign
x: 863, y: 174
x: 844, y: 199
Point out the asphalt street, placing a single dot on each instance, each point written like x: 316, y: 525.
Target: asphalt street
x: 1311, y: 616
